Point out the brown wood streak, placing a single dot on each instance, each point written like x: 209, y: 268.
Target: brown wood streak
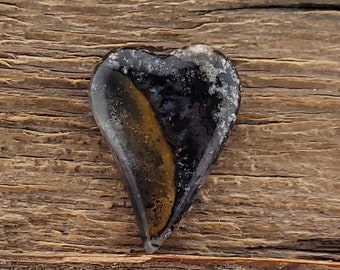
x: 274, y: 192
x: 173, y: 261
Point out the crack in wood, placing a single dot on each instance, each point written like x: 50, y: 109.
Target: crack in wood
x: 299, y: 6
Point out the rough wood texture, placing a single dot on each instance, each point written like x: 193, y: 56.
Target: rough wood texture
x: 275, y: 191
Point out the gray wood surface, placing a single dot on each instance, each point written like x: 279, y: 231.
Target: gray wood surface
x: 275, y: 190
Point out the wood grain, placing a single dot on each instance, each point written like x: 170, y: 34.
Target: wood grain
x: 275, y: 190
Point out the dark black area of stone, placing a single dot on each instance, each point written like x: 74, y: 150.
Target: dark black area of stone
x: 165, y: 119
x: 185, y: 111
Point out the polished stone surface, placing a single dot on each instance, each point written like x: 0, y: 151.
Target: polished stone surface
x: 165, y: 118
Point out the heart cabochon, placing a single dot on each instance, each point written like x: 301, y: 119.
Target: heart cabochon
x: 165, y: 118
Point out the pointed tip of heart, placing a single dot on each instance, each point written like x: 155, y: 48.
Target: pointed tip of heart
x: 149, y: 247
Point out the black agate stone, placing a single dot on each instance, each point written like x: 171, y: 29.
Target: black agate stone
x: 165, y: 118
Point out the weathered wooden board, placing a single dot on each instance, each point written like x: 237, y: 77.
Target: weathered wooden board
x: 275, y: 190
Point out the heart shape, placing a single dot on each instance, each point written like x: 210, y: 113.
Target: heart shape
x: 165, y: 118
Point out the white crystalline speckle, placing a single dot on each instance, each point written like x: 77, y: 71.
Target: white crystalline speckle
x: 234, y: 76
x: 125, y: 69
x: 200, y: 49
x: 235, y: 96
x: 167, y: 234
x: 113, y: 61
x: 133, y: 53
x: 222, y: 130
x: 113, y: 57
x: 151, y: 66
x: 225, y: 64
